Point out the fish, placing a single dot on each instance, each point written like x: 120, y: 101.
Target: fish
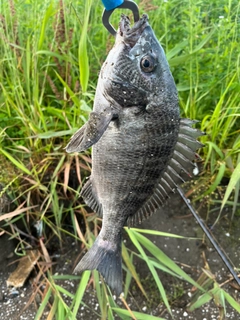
x: 141, y: 147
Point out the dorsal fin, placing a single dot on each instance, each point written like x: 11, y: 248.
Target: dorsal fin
x: 178, y: 169
x: 90, y: 197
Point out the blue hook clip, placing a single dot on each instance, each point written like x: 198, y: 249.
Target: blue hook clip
x: 127, y: 4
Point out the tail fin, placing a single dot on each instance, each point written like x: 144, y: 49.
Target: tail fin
x: 106, y: 258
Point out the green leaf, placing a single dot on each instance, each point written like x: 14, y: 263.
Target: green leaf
x: 48, y: 14
x: 186, y: 57
x: 43, y: 305
x: 164, y: 259
x: 80, y: 291
x: 64, y: 291
x: 157, y: 233
x: 232, y: 302
x: 82, y: 49
x: 54, y: 134
x: 218, y: 179
x: 60, y: 57
x: 138, y: 315
x: 206, y: 297
x: 69, y: 91
x: 174, y: 51
x: 204, y: 41
x: 235, y: 178
x: 131, y: 268
x: 17, y: 163
x: 134, y: 237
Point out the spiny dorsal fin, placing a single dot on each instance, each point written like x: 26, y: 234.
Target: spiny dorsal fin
x: 179, y: 169
x: 90, y: 197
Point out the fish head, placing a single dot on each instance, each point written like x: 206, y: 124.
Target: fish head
x: 136, y: 71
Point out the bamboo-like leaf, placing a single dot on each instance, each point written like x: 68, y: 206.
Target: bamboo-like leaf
x: 219, y: 298
x: 180, y: 60
x: 134, y: 237
x: 82, y: 49
x: 16, y: 212
x: 72, y: 95
x: 46, y: 18
x: 159, y: 255
x: 206, y: 297
x: 174, y: 51
x: 231, y: 301
x: 16, y: 162
x: 235, y: 178
x: 54, y: 134
x: 138, y: 315
x: 80, y: 291
x: 43, y: 304
x: 61, y: 313
x: 218, y: 179
x: 110, y: 314
x: 63, y: 290
x: 67, y: 170
x: 99, y: 291
x: 49, y: 53
x: 185, y: 58
x: 158, y: 233
x: 204, y: 41
x: 56, y: 307
x: 65, y: 277
x: 132, y: 269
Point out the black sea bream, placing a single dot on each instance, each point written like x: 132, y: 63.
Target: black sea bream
x: 141, y: 147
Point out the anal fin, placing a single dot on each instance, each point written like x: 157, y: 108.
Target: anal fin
x: 89, y: 195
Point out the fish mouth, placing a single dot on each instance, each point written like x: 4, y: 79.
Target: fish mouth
x: 128, y: 34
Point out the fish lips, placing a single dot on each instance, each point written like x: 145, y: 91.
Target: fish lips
x: 130, y: 35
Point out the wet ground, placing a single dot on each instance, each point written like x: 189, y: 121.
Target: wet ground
x: 189, y: 254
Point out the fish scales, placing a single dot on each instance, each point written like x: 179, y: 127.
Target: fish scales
x: 150, y: 156
x: 141, y: 147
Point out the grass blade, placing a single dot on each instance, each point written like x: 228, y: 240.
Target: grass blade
x: 160, y: 256
x: 17, y: 163
x: 138, y: 315
x: 80, y: 292
x: 231, y: 301
x: 43, y: 304
x: 132, y: 269
x: 235, y: 178
x: 82, y: 49
x: 134, y: 237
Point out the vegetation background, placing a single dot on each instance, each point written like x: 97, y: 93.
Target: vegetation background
x: 50, y: 56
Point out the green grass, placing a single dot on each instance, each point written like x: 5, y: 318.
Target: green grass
x: 50, y: 59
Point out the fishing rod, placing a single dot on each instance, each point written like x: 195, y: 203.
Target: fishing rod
x: 210, y: 236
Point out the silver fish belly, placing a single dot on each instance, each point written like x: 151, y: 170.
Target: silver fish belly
x: 141, y: 147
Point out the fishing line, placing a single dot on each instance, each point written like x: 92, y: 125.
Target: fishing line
x: 210, y: 236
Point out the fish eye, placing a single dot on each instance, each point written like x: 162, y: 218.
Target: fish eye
x: 148, y: 63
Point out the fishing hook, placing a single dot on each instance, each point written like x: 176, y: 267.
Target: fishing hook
x: 127, y: 4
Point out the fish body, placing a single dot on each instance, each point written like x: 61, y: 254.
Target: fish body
x: 141, y: 146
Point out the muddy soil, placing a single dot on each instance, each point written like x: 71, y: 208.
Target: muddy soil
x: 174, y: 218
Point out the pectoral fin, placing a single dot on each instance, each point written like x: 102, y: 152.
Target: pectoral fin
x: 91, y: 132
